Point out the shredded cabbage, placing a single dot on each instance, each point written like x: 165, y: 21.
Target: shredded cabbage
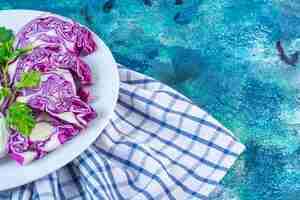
x: 60, y: 102
x: 54, y: 31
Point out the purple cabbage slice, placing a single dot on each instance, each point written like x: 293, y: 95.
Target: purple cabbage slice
x: 18, y: 149
x: 84, y: 94
x: 46, y: 137
x: 59, y: 103
x: 56, y: 96
x: 45, y: 59
x: 55, y: 31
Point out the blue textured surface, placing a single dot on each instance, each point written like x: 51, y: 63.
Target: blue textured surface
x: 222, y: 54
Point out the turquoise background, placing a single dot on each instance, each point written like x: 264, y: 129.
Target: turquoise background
x: 222, y: 54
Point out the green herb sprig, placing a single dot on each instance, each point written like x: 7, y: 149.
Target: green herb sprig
x: 19, y: 116
x: 29, y: 80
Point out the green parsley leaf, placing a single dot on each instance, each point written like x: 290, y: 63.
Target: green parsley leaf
x: 29, y: 80
x: 4, y: 92
x: 20, y: 118
x: 24, y: 50
x: 3, y: 55
x: 18, y: 52
x: 6, y: 35
x: 6, y: 51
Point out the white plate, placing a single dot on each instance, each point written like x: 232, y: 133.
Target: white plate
x: 106, y: 89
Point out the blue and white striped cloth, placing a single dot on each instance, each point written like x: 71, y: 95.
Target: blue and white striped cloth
x: 158, y: 145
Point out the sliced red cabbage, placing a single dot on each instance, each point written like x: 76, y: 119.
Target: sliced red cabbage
x: 60, y: 106
x: 46, y: 59
x: 56, y: 96
x: 55, y: 31
x: 18, y: 149
x: 85, y: 94
x: 12, y: 71
x: 45, y: 137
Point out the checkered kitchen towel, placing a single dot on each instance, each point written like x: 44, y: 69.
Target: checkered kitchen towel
x: 158, y: 145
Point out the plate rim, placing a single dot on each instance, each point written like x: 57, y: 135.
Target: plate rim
x: 106, y: 118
